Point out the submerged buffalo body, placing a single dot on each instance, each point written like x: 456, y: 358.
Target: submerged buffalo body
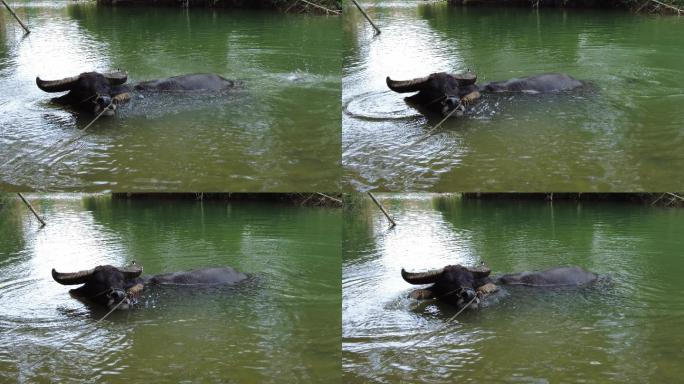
x: 103, y: 92
x: 444, y: 92
x: 554, y: 277
x: 466, y: 286
x: 120, y: 287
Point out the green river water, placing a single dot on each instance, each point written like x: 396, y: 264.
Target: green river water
x: 626, y: 328
x: 281, y: 326
x: 623, y: 134
x: 280, y: 133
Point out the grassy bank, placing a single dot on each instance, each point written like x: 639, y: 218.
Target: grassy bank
x: 662, y: 199
x: 641, y: 6
x: 290, y: 6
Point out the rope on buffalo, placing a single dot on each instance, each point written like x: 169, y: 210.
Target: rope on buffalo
x: 105, y: 109
x: 61, y: 347
x: 429, y: 335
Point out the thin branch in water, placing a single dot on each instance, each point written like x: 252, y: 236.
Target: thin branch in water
x: 338, y: 201
x: 322, y: 7
x: 675, y: 196
x: 679, y: 10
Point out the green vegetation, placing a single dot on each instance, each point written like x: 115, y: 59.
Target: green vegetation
x: 292, y: 6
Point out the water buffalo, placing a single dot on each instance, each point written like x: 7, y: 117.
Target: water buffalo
x: 109, y: 285
x: 103, y: 92
x: 443, y: 92
x: 461, y: 285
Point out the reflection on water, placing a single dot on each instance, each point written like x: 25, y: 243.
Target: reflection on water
x: 623, y: 134
x: 626, y: 328
x: 280, y: 133
x: 282, y: 325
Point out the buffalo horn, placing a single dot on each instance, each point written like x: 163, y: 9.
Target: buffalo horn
x: 403, y: 86
x: 62, y: 85
x: 72, y: 278
x: 421, y: 277
x: 481, y: 271
x: 465, y: 78
x: 116, y: 78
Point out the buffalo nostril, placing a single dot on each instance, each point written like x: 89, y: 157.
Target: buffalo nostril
x: 118, y: 294
x: 103, y: 100
x: 469, y: 294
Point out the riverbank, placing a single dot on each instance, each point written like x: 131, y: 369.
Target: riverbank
x: 329, y: 7
x: 641, y: 6
x: 662, y: 199
x: 317, y: 199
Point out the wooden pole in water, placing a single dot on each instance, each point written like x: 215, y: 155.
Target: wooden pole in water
x: 366, y: 16
x: 31, y: 208
x: 16, y: 17
x: 382, y: 209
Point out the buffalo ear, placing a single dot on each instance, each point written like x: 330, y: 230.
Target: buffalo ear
x: 116, y: 78
x: 132, y: 271
x: 422, y: 294
x: 465, y: 78
x: 480, y: 272
x: 79, y: 292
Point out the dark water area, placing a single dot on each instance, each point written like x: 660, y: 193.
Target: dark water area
x: 280, y: 132
x: 281, y: 325
x: 623, y: 133
x: 626, y: 328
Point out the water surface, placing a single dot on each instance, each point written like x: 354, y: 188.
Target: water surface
x: 624, y: 134
x: 283, y: 325
x: 626, y: 329
x: 281, y: 132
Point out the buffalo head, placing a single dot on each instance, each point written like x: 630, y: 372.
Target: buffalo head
x: 88, y: 91
x: 439, y: 92
x: 105, y: 284
x: 454, y: 283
